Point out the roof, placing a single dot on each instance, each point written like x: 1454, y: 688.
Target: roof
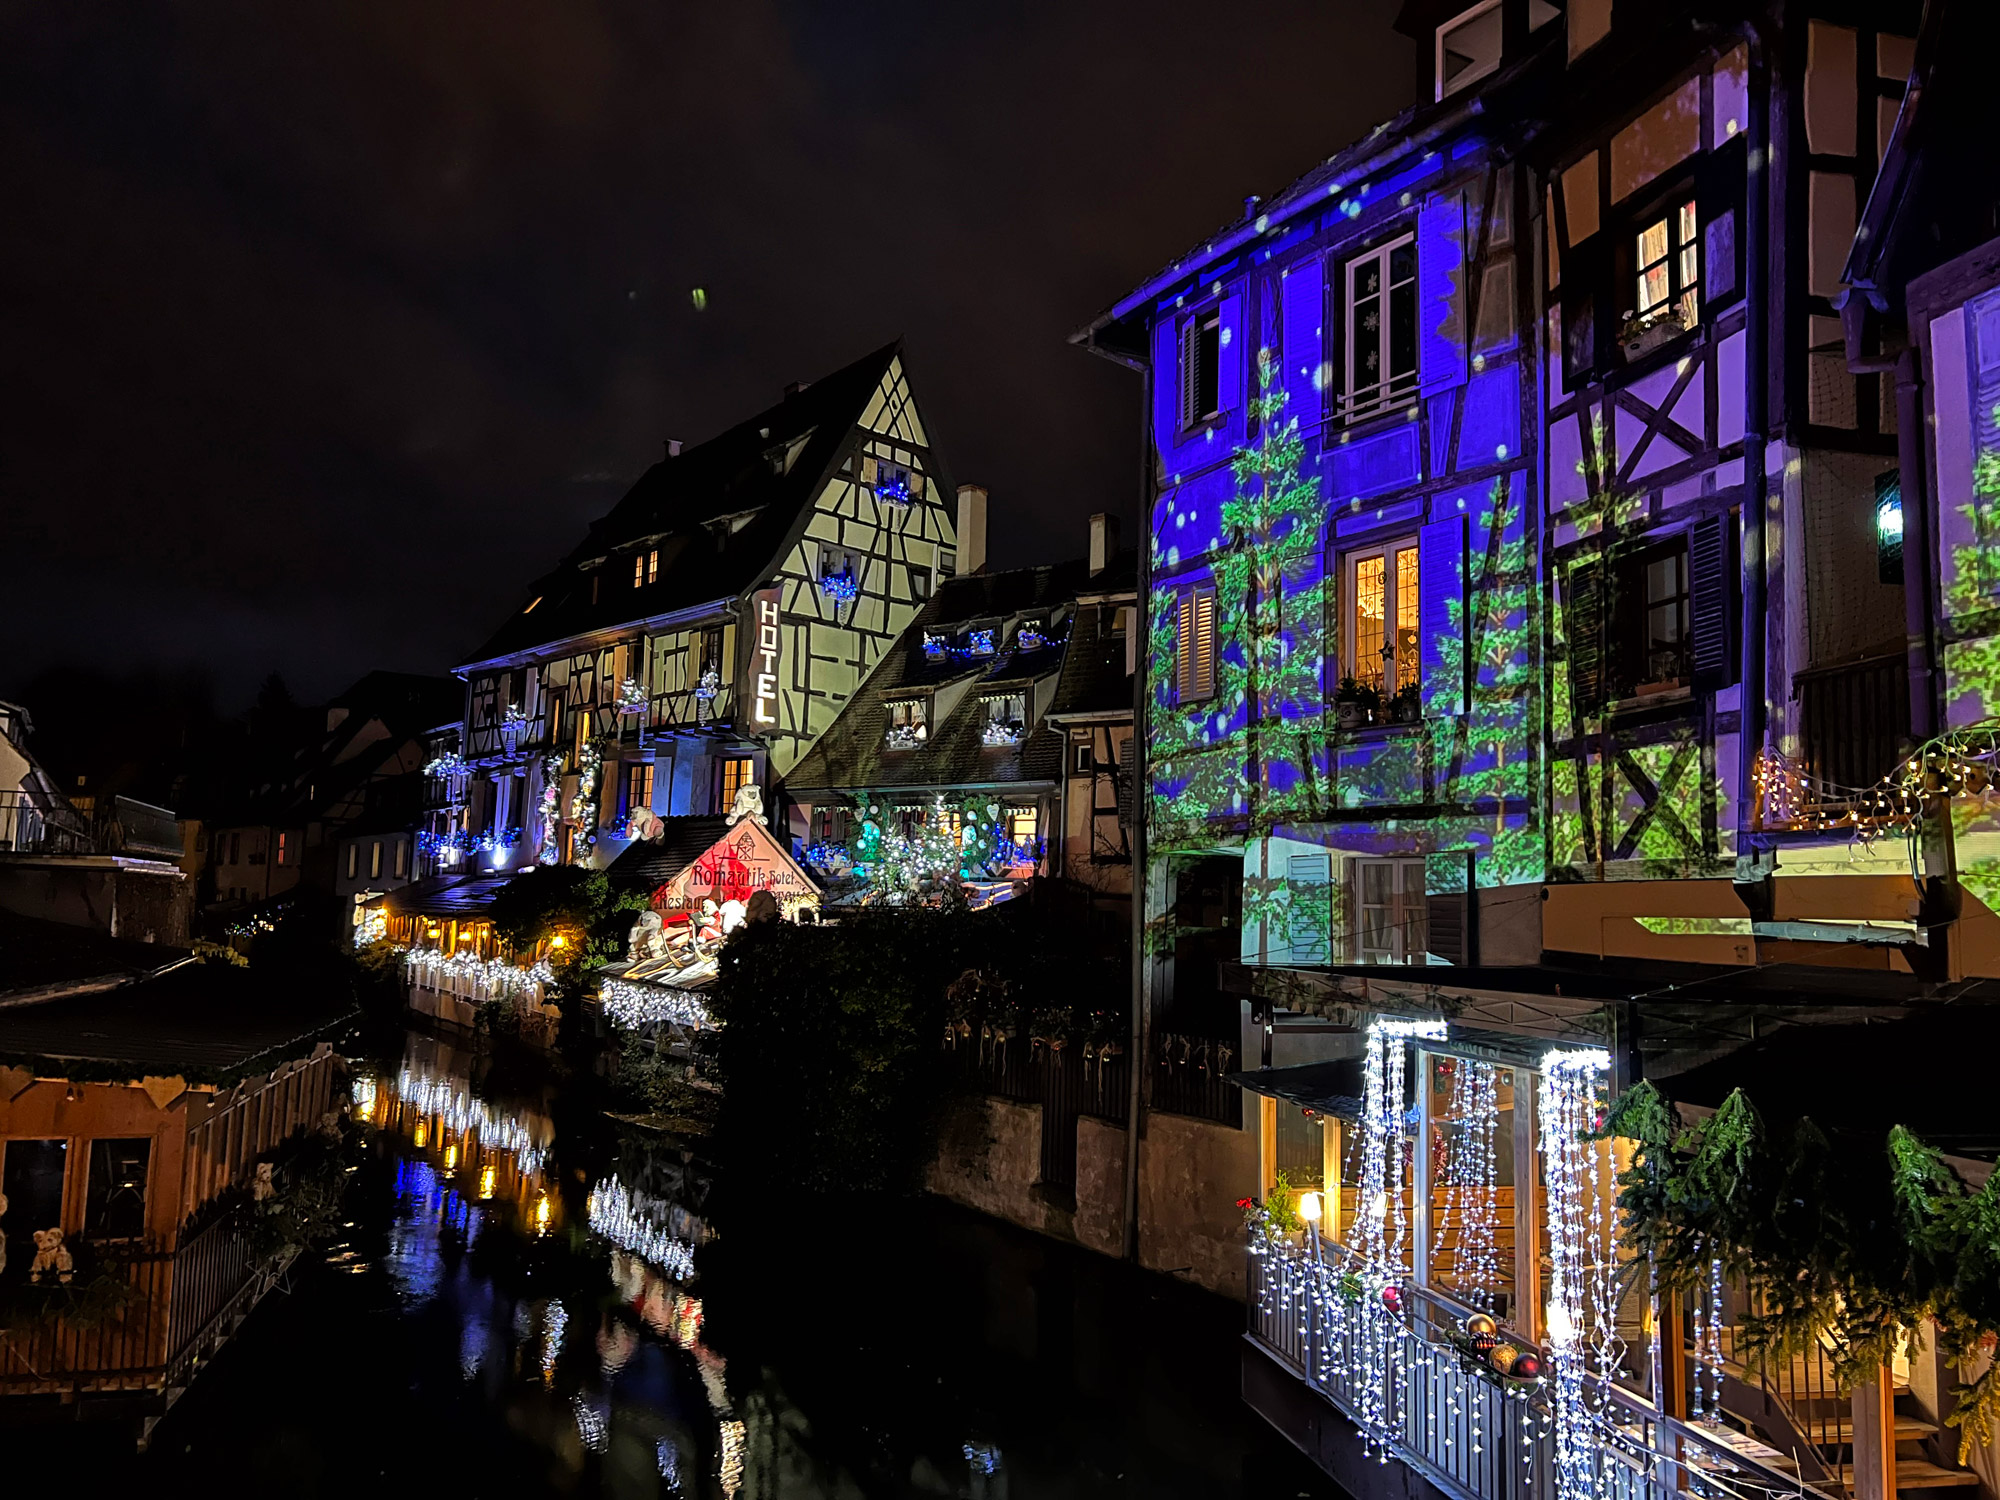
x: 721, y: 513
x: 853, y: 753
x: 1326, y: 1088
x: 443, y: 896
x: 651, y: 863
x: 204, y: 1022
x: 48, y: 958
x: 1094, y: 679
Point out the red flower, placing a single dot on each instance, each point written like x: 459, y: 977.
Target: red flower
x: 1246, y: 1203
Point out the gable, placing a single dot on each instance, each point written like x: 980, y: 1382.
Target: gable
x: 745, y: 860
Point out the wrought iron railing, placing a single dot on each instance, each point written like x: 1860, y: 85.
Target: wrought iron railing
x: 29, y: 826
x: 1190, y: 1078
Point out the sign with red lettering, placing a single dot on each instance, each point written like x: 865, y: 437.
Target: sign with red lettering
x: 763, y: 661
x: 744, y: 861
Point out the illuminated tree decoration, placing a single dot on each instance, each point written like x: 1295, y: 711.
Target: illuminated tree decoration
x: 550, y: 852
x: 631, y: 697
x: 842, y: 587
x: 583, y: 806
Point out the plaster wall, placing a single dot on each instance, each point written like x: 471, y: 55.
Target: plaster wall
x: 1191, y: 1172
x: 989, y: 1155
x: 1099, y: 1220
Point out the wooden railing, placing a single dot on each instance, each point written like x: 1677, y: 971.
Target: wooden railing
x: 1855, y: 719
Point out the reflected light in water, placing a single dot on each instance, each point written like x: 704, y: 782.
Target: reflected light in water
x: 731, y: 1466
x: 451, y: 1158
x: 486, y: 1178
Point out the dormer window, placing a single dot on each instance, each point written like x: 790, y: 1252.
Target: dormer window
x: 1468, y: 47
x: 908, y: 725
x: 1005, y: 719
x: 1030, y: 636
x: 645, y: 568
x: 979, y: 642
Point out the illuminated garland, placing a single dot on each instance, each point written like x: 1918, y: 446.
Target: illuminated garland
x: 551, y: 810
x: 1471, y: 1183
x: 496, y: 974
x: 627, y: 1221
x: 463, y: 841
x: 583, y: 806
x: 842, y: 587
x: 710, y: 685
x: 447, y: 764
x: 899, y: 868
x: 1960, y: 762
x: 630, y: 1004
x: 1583, y: 1253
x: 631, y: 697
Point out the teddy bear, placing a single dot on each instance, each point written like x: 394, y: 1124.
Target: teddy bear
x: 261, y: 1186
x: 50, y: 1257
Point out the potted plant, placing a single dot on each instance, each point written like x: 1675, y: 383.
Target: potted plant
x: 1348, y: 710
x: 1371, y: 704
x: 1407, y: 707
x: 1640, y: 336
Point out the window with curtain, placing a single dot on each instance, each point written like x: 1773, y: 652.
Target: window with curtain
x: 1391, y: 916
x: 1382, y: 616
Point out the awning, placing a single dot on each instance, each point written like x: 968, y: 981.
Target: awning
x: 443, y: 896
x: 1327, y: 1088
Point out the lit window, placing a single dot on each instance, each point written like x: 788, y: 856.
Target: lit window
x: 1382, y: 630
x: 653, y: 566
x: 1194, y: 646
x: 1669, y: 266
x: 638, y: 570
x: 907, y: 723
x: 353, y: 859
x: 402, y: 859
x: 283, y: 846
x: 1022, y: 824
x: 1201, y: 367
x: 1468, y: 48
x: 1381, y: 302
x: 736, y: 774
x: 1391, y: 914
x: 374, y: 857
x: 638, y: 786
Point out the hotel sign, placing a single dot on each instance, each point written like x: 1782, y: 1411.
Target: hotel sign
x: 763, y: 665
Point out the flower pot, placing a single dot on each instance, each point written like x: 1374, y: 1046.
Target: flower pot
x: 1349, y: 715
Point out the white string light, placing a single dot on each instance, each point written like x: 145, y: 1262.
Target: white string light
x: 1582, y: 1254
x: 631, y: 1004
x: 625, y: 1221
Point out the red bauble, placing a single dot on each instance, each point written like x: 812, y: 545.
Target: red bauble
x: 1527, y: 1367
x: 1392, y: 1298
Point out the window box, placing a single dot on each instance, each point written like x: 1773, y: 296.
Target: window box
x: 1642, y: 335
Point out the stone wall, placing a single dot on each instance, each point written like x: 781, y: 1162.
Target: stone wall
x: 989, y: 1155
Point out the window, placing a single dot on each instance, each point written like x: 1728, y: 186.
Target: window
x: 980, y: 642
x: 1381, y: 589
x: 1381, y: 299
x: 907, y: 723
x: 638, y: 569
x: 1194, y: 646
x: 653, y: 566
x: 1201, y: 367
x: 1083, y: 760
x: 1390, y: 922
x: 595, y: 579
x: 402, y: 858
x: 1650, y: 626
x: 31, y: 1179
x: 1468, y: 48
x: 1005, y: 718
x: 375, y: 860
x: 836, y: 562
x: 1667, y: 261
x: 736, y: 774
x: 638, y: 786
x: 1022, y: 823
x: 283, y: 845
x: 115, y: 1208
x: 353, y: 859
x: 920, y: 584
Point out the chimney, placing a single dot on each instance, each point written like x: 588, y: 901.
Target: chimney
x: 1103, y: 542
x: 673, y: 447
x: 971, y: 528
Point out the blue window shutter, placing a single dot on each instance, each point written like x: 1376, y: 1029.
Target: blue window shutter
x: 1229, y: 378
x: 1166, y: 383
x: 1305, y: 317
x: 1441, y: 358
x: 1441, y: 615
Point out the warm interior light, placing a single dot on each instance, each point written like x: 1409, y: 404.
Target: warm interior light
x: 1309, y: 1207
x: 423, y: 1134
x: 486, y: 1183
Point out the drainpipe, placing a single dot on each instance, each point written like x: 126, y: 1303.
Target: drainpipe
x: 1751, y: 877
x: 1916, y: 542
x: 1139, y: 643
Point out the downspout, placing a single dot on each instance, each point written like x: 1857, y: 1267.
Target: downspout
x: 1139, y: 643
x: 1911, y: 478
x: 1753, y: 714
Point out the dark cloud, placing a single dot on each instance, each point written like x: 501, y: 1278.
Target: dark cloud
x: 329, y: 325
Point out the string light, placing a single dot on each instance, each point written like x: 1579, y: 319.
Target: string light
x: 628, y: 1223
x: 1580, y: 1320
x: 1960, y: 762
x: 465, y: 1116
x: 631, y: 1004
x: 1471, y: 1184
x: 496, y: 975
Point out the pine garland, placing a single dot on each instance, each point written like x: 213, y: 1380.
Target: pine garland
x: 1850, y: 1248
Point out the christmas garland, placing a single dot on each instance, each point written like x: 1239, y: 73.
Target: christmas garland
x: 1849, y: 1247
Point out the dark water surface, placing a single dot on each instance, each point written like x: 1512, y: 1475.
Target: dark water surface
x: 533, y: 1301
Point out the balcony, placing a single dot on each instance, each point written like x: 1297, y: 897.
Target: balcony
x: 30, y: 826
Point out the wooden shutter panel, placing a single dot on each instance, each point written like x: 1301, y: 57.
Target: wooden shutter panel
x: 1583, y: 620
x: 1204, y: 643
x: 1184, y: 649
x: 1441, y: 615
x: 1229, y: 355
x: 1309, y: 888
x: 1305, y: 315
x: 1712, y: 605
x: 1190, y: 360
x: 1448, y: 911
x: 1126, y: 771
x: 1441, y: 353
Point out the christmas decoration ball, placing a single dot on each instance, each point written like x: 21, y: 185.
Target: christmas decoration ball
x: 1503, y: 1356
x: 1484, y: 1342
x: 1527, y: 1367
x: 1479, y: 1324
x: 1392, y: 1298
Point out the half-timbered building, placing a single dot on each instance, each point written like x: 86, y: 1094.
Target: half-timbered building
x: 709, y: 629
x: 1569, y: 671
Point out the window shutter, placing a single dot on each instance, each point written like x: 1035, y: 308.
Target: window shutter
x: 1190, y: 375
x: 1309, y: 889
x: 1441, y: 615
x: 1229, y: 355
x: 1203, y: 671
x: 1305, y: 315
x: 1169, y: 376
x: 1583, y: 619
x: 1125, y: 774
x: 1448, y: 907
x: 1184, y: 649
x: 1983, y: 323
x: 1711, y: 581
x: 1441, y: 356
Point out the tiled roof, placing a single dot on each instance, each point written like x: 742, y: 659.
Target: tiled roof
x: 678, y: 504
x: 1094, y: 679
x: 443, y: 896
x: 854, y: 754
x: 651, y: 863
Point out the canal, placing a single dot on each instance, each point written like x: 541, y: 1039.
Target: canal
x: 535, y: 1299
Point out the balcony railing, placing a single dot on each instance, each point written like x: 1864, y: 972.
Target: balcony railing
x: 27, y: 826
x: 1855, y: 719
x: 1415, y: 1394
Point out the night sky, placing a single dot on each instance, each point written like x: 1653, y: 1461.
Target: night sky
x: 328, y: 326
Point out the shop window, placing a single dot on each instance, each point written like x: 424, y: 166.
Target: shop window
x: 1468, y: 48
x: 1391, y: 919
x: 1201, y: 367
x: 1194, y: 645
x: 115, y: 1206
x: 1381, y: 328
x: 1382, y: 625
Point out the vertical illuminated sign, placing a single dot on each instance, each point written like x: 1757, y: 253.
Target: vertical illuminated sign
x: 761, y: 671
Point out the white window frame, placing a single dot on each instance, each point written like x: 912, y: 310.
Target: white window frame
x: 1384, y: 393
x: 1350, y: 624
x: 1409, y: 906
x: 1477, y: 71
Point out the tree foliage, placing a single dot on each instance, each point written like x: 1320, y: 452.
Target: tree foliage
x: 578, y: 905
